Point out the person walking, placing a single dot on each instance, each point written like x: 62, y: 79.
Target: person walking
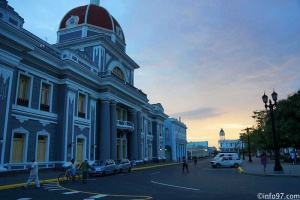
x: 134, y: 163
x: 195, y: 160
x: 34, y: 170
x: 85, y: 167
x: 184, y: 165
x: 293, y: 157
x: 264, y: 161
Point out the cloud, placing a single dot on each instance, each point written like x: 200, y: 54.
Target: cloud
x: 201, y: 113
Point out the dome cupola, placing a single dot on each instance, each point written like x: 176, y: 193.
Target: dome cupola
x: 89, y: 20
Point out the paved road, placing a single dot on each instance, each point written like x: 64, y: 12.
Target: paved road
x: 202, y: 182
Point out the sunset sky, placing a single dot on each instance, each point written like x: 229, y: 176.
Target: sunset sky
x: 208, y: 62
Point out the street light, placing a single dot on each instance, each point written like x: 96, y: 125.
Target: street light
x: 249, y: 148
x: 271, y: 106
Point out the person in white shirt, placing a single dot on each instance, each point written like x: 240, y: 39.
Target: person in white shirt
x: 73, y: 166
x: 34, y: 170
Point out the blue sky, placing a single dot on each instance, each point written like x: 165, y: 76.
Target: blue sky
x: 208, y: 62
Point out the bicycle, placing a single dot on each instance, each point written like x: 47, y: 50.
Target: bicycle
x: 65, y: 177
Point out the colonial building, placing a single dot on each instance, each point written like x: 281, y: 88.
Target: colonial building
x: 175, y: 139
x: 226, y: 145
x: 76, y: 98
x: 198, y: 149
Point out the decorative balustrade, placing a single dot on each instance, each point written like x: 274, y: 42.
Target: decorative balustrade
x: 125, y: 124
x: 22, y: 102
x: 44, y: 107
x: 81, y: 114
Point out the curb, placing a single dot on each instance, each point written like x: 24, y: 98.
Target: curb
x: 5, y: 187
x: 241, y: 171
x: 154, y: 166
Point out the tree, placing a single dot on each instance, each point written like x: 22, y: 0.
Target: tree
x: 287, y: 121
x: 287, y: 125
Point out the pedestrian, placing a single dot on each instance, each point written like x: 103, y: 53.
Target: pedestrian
x: 34, y: 170
x: 293, y: 157
x: 72, y: 167
x: 85, y: 167
x: 264, y: 161
x: 133, y: 163
x: 184, y: 165
x: 195, y: 160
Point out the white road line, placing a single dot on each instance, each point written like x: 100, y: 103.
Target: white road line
x: 24, y: 199
x: 98, y: 196
x: 51, y: 187
x: 56, y: 189
x: 70, y: 192
x: 49, y: 184
x: 174, y: 186
x: 155, y: 173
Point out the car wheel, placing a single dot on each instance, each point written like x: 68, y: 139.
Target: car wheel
x: 121, y: 170
x: 129, y: 170
x: 103, y: 173
x: 236, y: 165
x: 218, y: 165
x: 213, y: 166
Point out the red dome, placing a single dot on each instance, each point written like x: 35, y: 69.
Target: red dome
x: 94, y: 15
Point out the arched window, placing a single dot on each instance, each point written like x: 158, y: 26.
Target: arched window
x: 118, y: 72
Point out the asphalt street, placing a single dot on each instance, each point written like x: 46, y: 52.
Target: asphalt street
x: 157, y: 182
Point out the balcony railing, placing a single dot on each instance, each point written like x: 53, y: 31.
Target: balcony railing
x: 22, y: 102
x: 125, y: 125
x: 81, y: 114
x: 44, y: 107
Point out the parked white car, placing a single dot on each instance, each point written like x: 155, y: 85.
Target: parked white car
x: 219, y: 155
x: 226, y: 161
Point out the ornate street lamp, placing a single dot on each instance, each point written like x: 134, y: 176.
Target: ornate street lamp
x: 271, y: 106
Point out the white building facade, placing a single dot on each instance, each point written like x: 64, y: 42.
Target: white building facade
x: 230, y: 145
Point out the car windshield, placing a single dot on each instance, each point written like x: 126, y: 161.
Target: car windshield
x: 99, y: 163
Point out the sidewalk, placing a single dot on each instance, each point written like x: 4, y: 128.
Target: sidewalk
x: 255, y: 168
x: 18, y: 179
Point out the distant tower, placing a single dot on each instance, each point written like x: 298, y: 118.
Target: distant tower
x: 222, y: 134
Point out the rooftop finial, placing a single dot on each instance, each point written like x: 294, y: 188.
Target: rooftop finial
x: 95, y: 2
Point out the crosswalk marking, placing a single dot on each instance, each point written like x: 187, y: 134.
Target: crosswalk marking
x: 52, y: 186
x: 98, y: 196
x: 55, y: 189
x: 70, y: 192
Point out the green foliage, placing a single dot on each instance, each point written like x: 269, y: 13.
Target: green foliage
x: 287, y: 125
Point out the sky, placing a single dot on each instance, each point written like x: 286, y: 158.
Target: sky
x: 207, y: 62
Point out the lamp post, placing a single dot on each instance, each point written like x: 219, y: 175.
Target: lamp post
x: 249, y: 148
x: 271, y: 106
